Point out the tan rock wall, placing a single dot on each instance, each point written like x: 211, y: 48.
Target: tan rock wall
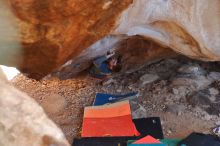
x: 24, y: 123
x: 190, y: 27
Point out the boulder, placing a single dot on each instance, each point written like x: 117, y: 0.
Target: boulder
x: 38, y: 36
x: 175, y: 24
x: 192, y: 76
x: 195, y: 70
x: 24, y: 123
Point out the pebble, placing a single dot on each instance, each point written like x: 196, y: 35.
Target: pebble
x: 207, y: 117
x: 148, y: 78
x: 175, y: 91
x: 130, y: 87
x: 213, y: 91
x: 118, y: 90
x: 144, y: 102
x: 217, y: 123
x: 108, y: 82
x: 169, y: 131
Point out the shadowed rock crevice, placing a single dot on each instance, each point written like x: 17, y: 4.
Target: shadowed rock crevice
x: 135, y: 51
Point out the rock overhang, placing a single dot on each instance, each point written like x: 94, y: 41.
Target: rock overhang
x: 51, y: 33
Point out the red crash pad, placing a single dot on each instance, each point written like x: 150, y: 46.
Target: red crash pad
x: 102, y: 127
x: 109, y: 120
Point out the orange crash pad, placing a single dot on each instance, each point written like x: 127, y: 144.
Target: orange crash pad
x: 109, y: 120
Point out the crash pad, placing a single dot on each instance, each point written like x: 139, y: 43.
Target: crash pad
x: 146, y: 141
x: 109, y: 120
x: 98, y: 143
x: 170, y: 142
x: 102, y: 141
x: 149, y: 126
x: 101, y: 127
x: 167, y: 142
x: 103, y: 98
x: 108, y: 111
x: 199, y: 139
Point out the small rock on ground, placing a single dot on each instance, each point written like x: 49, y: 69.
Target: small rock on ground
x: 148, y: 78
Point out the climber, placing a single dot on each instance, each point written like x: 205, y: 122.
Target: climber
x: 104, y: 66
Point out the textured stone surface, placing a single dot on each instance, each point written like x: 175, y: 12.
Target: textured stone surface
x: 24, y: 123
x: 205, y: 100
x: 190, y: 27
x: 52, y: 32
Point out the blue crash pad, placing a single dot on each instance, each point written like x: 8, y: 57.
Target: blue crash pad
x: 102, y: 98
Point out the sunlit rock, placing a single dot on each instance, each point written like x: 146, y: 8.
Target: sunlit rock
x: 24, y: 123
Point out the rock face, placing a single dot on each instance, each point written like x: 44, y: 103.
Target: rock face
x: 52, y: 32
x: 187, y: 26
x: 24, y: 123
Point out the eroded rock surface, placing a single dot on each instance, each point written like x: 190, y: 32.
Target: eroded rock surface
x: 187, y: 26
x: 24, y: 123
x: 52, y: 32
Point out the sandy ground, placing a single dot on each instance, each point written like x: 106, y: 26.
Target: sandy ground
x: 64, y: 101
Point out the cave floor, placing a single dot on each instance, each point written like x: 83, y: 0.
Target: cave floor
x: 73, y: 95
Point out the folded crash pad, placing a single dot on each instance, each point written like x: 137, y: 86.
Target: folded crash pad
x: 146, y: 141
x: 149, y: 126
x: 198, y: 139
x: 108, y: 111
x: 102, y: 141
x: 102, y: 98
x: 109, y: 120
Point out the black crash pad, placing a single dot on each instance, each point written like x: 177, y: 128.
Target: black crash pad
x: 102, y: 141
x: 149, y: 126
x: 198, y: 139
